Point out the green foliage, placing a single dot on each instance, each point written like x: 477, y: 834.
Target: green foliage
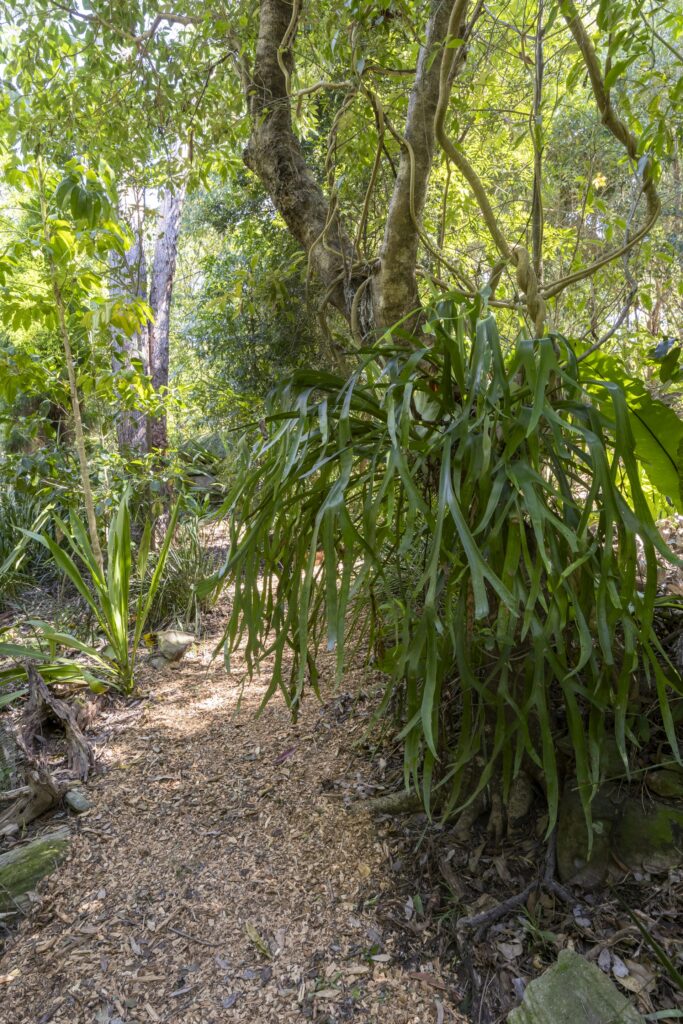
x: 248, y: 323
x: 481, y: 519
x: 178, y: 599
x: 656, y: 428
x: 108, y: 596
x: 20, y: 560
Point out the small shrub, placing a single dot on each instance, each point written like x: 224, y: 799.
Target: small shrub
x: 21, y: 560
x: 178, y: 598
x: 107, y: 593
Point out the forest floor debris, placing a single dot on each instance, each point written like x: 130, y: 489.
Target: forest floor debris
x: 228, y: 870
x: 218, y: 877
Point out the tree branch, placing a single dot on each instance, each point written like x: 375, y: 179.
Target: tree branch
x: 517, y: 255
x: 622, y: 134
x: 537, y: 137
x: 395, y: 286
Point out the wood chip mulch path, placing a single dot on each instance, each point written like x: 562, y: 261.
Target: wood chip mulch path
x: 219, y: 876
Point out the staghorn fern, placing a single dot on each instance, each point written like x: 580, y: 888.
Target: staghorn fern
x: 482, y: 520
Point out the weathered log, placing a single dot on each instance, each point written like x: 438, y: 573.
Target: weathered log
x: 39, y: 794
x: 11, y: 758
x: 43, y: 705
x: 7, y: 795
x: 23, y: 867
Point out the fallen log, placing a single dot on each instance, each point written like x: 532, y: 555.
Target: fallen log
x: 23, y: 867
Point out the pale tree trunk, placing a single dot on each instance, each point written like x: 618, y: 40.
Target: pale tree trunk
x: 129, y: 280
x: 395, y: 284
x: 160, y: 295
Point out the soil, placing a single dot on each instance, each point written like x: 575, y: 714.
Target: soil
x: 223, y: 873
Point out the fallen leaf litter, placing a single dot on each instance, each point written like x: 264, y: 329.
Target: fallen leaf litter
x: 215, y: 879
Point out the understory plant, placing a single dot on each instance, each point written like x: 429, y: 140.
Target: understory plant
x: 178, y: 597
x: 19, y: 559
x: 107, y: 592
x: 476, y: 517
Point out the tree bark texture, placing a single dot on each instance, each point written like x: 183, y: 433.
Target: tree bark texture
x: 395, y: 284
x: 129, y: 279
x: 275, y: 155
x: 160, y: 296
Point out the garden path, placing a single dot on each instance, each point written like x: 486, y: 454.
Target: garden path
x: 220, y: 875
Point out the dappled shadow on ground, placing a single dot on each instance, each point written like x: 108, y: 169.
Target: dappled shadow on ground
x: 221, y: 876
x: 224, y: 874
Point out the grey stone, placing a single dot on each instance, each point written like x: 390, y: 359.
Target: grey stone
x: 574, y: 991
x: 77, y: 801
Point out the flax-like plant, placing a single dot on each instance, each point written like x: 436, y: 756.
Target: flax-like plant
x: 480, y: 516
x: 107, y: 593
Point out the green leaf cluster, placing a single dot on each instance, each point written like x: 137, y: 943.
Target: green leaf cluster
x: 478, y: 520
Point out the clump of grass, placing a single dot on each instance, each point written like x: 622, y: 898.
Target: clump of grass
x: 22, y: 560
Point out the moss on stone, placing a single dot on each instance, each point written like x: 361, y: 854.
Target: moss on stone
x: 649, y: 838
x: 574, y: 991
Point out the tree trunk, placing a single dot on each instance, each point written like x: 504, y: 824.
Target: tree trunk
x: 161, y: 291
x: 129, y: 280
x: 395, y: 284
x: 274, y: 153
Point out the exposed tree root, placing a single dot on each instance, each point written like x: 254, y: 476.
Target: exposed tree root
x: 33, y: 789
x: 547, y: 881
x: 28, y: 802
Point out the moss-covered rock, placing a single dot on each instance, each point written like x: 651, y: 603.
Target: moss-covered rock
x: 23, y: 867
x: 629, y: 829
x: 649, y: 837
x: 666, y: 782
x: 573, y: 862
x: 574, y: 991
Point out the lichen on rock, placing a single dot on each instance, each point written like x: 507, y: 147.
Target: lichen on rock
x: 574, y: 991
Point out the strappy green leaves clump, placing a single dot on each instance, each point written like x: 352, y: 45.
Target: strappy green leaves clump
x: 477, y: 520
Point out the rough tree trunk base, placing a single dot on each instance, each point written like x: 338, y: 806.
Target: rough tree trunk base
x: 43, y: 706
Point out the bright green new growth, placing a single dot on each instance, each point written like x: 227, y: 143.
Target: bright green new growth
x: 471, y: 509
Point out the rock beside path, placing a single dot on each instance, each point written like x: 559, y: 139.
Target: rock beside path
x: 77, y: 801
x: 574, y: 991
x: 644, y: 835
